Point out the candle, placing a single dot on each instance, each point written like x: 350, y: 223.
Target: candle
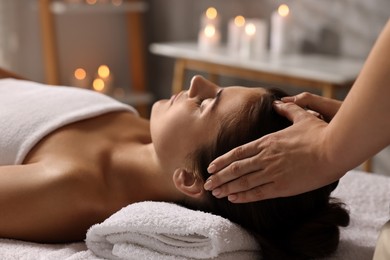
x: 254, y: 40
x: 247, y: 40
x: 210, y: 17
x: 209, y: 38
x: 80, y: 78
x: 279, y: 29
x: 103, y: 81
x: 98, y: 85
x: 235, y: 32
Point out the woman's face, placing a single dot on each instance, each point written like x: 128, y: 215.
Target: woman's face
x: 192, y: 118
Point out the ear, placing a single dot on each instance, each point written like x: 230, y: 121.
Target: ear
x: 188, y: 183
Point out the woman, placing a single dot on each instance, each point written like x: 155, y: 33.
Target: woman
x: 81, y: 169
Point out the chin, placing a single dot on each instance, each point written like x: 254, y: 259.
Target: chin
x: 155, y: 108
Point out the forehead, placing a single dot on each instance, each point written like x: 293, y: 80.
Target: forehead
x: 232, y: 98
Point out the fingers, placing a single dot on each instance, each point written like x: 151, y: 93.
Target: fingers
x: 243, y: 184
x: 327, y: 107
x: 291, y: 111
x: 247, y: 164
x: 236, y: 154
x: 263, y: 192
x: 304, y: 99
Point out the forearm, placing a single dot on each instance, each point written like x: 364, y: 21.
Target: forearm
x: 361, y: 128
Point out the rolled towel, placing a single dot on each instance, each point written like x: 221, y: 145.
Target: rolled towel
x: 160, y: 230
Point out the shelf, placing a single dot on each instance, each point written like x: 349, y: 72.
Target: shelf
x: 59, y: 7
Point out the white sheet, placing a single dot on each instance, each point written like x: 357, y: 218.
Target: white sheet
x: 367, y: 196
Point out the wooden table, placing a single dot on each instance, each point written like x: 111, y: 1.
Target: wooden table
x: 310, y: 71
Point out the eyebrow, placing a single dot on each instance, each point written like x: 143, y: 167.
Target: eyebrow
x: 217, y: 99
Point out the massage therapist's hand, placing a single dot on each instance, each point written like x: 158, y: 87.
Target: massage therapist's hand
x: 326, y: 107
x: 271, y: 166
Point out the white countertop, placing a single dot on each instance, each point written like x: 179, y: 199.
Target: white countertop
x: 336, y: 70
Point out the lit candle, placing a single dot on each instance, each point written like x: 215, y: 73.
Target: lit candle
x: 247, y: 41
x: 80, y: 78
x: 253, y: 42
x: 103, y: 81
x: 210, y: 17
x: 209, y: 38
x: 235, y: 32
x: 98, y: 85
x: 279, y: 23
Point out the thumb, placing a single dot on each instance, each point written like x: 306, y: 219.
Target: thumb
x: 291, y: 111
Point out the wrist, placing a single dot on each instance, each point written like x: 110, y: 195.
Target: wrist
x: 334, y: 161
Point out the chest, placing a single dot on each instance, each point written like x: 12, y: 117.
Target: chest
x: 91, y: 141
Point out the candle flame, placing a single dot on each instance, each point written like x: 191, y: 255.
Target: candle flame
x: 103, y: 71
x: 283, y: 10
x: 250, y: 29
x: 209, y: 31
x: 98, y: 84
x: 211, y: 13
x: 80, y: 74
x: 239, y: 20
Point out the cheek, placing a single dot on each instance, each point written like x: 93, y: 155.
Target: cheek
x: 169, y: 130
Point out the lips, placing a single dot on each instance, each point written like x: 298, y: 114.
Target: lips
x: 173, y: 98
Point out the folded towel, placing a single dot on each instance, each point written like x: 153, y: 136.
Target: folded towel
x: 160, y: 230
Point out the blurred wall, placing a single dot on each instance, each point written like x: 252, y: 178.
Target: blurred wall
x: 354, y: 24
x: 90, y: 40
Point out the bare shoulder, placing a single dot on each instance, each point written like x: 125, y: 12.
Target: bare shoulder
x: 49, y: 204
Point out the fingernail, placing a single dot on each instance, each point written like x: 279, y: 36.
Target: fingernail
x: 216, y: 192
x: 287, y: 99
x: 278, y: 102
x: 208, y: 185
x: 211, y: 168
x: 232, y: 197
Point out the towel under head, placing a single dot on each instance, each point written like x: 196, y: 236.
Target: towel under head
x: 163, y: 230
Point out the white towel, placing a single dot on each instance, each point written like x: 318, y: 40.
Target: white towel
x: 29, y: 111
x: 160, y: 230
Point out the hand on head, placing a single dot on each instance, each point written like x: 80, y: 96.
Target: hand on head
x: 326, y: 107
x: 272, y: 166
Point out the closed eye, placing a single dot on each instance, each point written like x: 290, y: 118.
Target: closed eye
x: 201, y: 103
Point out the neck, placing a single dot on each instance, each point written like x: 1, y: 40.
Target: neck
x: 144, y: 177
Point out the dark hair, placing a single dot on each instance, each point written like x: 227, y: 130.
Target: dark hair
x: 304, y: 226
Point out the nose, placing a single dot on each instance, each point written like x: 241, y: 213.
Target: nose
x: 202, y: 87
